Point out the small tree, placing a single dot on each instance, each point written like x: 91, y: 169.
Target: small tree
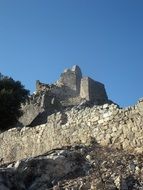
x: 12, y: 94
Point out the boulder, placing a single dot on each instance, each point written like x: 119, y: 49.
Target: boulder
x: 42, y: 172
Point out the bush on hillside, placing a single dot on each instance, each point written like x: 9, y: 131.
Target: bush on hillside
x: 12, y: 94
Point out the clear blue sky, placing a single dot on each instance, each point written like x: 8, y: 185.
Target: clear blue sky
x: 39, y: 38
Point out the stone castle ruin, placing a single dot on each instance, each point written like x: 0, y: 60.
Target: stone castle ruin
x: 70, y: 90
x: 72, y: 85
x: 70, y: 130
x: 75, y: 109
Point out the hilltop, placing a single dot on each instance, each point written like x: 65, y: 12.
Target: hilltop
x: 72, y: 136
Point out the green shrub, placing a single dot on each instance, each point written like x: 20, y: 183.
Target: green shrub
x: 12, y: 94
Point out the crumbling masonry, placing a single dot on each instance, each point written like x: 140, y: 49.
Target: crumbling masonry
x: 70, y: 90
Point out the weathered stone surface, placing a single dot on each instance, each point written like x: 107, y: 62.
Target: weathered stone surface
x: 44, y: 171
x: 82, y: 87
x: 38, y: 107
x: 93, y: 91
x: 75, y: 168
x: 121, y: 128
x: 71, y: 78
x: 70, y: 90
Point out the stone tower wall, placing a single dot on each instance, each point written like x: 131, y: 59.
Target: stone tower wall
x: 72, y: 85
x: 97, y: 92
x: 71, y: 78
x: 93, y: 90
x: 84, y: 88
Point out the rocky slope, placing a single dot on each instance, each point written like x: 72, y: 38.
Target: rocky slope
x: 75, y: 168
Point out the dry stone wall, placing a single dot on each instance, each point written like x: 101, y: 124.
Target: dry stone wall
x: 107, y: 125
